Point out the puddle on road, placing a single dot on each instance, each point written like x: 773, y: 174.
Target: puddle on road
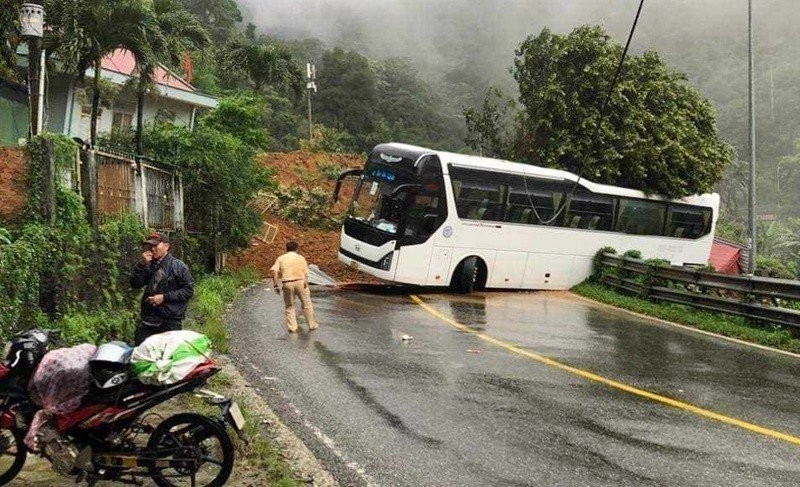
x: 470, y: 313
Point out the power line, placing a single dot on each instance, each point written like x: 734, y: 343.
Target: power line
x: 596, y: 130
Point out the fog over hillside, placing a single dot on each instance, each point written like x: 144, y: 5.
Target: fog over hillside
x: 439, y: 35
x: 706, y: 39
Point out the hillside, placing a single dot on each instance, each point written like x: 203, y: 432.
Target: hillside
x: 319, y: 246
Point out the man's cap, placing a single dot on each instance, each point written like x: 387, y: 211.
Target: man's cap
x: 156, y: 237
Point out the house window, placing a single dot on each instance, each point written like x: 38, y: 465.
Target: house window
x: 122, y: 121
x: 86, y: 111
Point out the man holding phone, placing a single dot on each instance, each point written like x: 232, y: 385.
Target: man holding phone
x: 168, y: 286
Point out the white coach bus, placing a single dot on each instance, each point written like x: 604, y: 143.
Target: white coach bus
x: 432, y: 218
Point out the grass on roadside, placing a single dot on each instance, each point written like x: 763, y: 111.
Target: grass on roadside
x: 212, y: 294
x: 207, y: 308
x: 722, y: 324
x: 258, y: 454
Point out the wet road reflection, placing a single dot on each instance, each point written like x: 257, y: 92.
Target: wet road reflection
x: 433, y: 411
x: 470, y: 312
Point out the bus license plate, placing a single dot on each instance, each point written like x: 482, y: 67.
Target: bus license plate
x: 354, y: 264
x: 236, y: 416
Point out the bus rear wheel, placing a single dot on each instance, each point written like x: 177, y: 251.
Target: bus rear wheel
x: 466, y: 276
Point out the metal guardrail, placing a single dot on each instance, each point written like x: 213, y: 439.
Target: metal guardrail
x: 695, y: 281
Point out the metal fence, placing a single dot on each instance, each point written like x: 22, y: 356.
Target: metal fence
x: 154, y: 193
x: 160, y: 188
x: 758, y: 298
x: 116, y: 183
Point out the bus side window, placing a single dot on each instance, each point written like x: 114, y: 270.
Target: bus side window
x: 686, y: 221
x: 480, y: 195
x: 641, y: 217
x: 590, y: 211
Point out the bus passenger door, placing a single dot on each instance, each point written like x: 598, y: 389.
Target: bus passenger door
x: 439, y: 270
x: 508, y: 270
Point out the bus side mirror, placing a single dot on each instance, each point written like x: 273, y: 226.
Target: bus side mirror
x: 342, y: 176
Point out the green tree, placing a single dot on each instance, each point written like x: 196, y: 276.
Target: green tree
x: 219, y: 169
x: 82, y: 32
x: 219, y: 17
x: 348, y: 96
x: 9, y: 38
x: 411, y: 109
x: 241, y: 116
x: 267, y: 64
x: 656, y: 134
x: 171, y: 32
x: 491, y: 129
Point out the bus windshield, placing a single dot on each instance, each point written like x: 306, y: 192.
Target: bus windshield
x: 376, y: 203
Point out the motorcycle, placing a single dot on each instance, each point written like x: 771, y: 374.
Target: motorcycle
x: 109, y: 437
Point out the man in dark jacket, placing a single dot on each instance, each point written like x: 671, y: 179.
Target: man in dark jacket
x: 168, y: 285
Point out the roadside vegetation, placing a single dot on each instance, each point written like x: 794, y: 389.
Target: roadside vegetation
x: 213, y: 295
x: 767, y: 334
x: 722, y: 324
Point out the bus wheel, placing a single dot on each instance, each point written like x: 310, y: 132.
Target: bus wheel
x: 465, y: 276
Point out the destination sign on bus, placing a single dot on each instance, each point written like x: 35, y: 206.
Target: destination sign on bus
x: 382, y: 174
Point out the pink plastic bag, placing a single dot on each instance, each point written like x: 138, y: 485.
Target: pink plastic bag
x: 59, y: 384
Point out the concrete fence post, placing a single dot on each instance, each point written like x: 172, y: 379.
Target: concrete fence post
x: 89, y: 186
x: 178, y: 201
x: 140, y: 193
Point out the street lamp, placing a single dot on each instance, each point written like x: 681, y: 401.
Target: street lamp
x: 31, y: 27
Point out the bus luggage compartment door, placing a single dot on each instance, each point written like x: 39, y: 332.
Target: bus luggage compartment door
x: 508, y: 270
x: 548, y: 271
x: 439, y: 270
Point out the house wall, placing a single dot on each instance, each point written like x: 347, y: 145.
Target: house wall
x: 79, y: 124
x: 58, y: 94
x: 12, y: 182
x: 182, y: 112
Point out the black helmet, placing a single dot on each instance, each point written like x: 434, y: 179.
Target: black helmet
x: 27, y: 349
x: 110, y: 364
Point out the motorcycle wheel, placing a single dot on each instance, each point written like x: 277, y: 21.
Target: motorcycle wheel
x: 196, y: 437
x: 13, y: 453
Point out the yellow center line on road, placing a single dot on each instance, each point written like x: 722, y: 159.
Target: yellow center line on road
x: 612, y: 383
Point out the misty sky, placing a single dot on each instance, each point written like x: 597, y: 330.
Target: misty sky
x: 439, y: 35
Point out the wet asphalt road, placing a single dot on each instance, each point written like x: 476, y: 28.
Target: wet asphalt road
x: 448, y: 408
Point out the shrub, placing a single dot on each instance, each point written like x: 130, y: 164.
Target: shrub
x: 633, y: 254
x: 597, y: 266
x: 327, y: 139
x: 329, y: 170
x: 769, y: 267
x: 67, y: 275
x: 308, y: 207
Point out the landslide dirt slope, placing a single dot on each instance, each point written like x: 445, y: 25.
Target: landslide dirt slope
x: 319, y: 246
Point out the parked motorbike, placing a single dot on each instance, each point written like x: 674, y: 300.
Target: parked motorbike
x: 110, y: 436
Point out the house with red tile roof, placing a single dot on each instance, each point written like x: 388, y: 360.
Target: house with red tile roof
x: 68, y: 103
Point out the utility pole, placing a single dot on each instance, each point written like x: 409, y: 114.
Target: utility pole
x: 31, y: 23
x: 751, y: 261
x: 311, y: 84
